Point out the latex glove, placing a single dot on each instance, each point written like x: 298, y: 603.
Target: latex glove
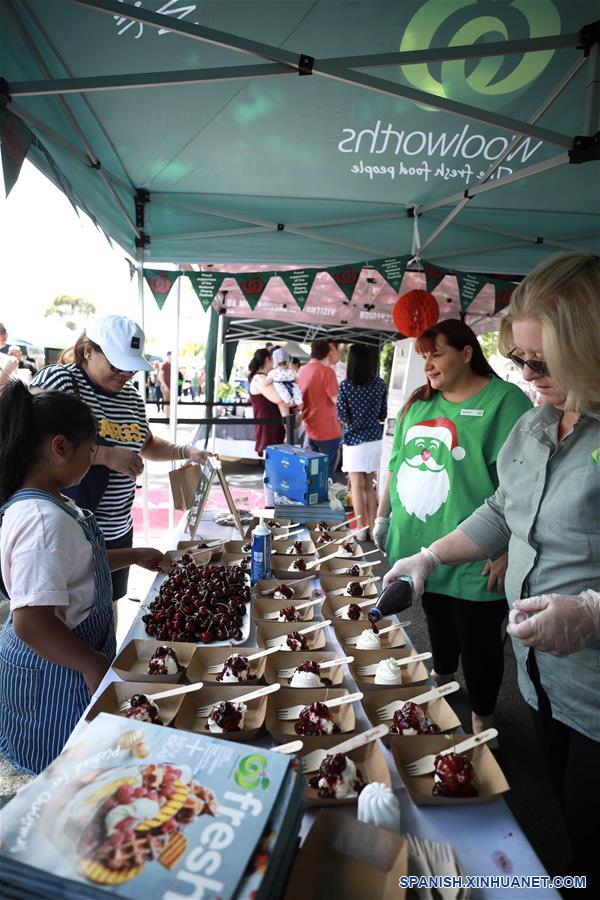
x: 419, y: 567
x: 379, y: 531
x: 496, y: 571
x: 562, y: 624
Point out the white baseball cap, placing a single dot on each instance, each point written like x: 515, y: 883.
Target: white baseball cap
x: 122, y: 342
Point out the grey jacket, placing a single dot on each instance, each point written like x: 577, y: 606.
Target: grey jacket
x: 546, y: 511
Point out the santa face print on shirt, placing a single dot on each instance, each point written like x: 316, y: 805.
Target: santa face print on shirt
x: 423, y: 483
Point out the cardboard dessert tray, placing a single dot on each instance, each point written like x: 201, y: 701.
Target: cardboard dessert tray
x: 439, y: 711
x: 415, y: 673
x: 301, y: 592
x: 116, y: 693
x: 215, y: 551
x: 255, y: 714
x: 331, y: 605
x: 333, y: 548
x: 131, y: 664
x: 311, y: 524
x: 282, y: 523
x: 344, y: 629
x: 199, y: 557
x: 236, y: 548
x: 337, y: 566
x: 263, y: 605
x: 285, y: 660
x: 282, y: 730
x: 369, y: 759
x: 316, y: 640
x: 336, y: 582
x: 344, y: 858
x: 211, y: 656
x: 489, y: 777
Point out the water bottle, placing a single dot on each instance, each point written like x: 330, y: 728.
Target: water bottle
x: 395, y: 599
x: 260, y: 552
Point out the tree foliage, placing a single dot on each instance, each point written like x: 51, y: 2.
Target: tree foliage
x: 489, y: 343
x: 73, y: 310
x: 385, y: 360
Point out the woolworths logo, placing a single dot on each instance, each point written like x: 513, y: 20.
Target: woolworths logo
x: 251, y: 772
x: 457, y: 22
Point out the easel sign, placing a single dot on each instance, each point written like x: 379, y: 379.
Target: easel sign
x: 212, y: 468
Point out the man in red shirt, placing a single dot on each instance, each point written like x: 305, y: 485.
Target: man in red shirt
x: 319, y: 388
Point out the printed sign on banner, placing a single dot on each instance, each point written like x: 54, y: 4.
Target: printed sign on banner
x: 299, y: 282
x: 207, y: 285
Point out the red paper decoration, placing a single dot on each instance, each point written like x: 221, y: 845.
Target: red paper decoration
x: 414, y: 312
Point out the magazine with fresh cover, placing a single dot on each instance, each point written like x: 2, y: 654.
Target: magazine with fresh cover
x: 144, y: 812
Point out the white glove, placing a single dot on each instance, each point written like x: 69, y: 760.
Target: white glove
x: 418, y: 567
x: 379, y: 531
x: 561, y: 624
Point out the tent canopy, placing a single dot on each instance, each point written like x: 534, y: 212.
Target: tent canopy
x: 316, y: 132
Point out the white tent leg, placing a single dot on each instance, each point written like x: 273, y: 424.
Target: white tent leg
x: 141, y: 383
x: 174, y: 393
x: 217, y: 378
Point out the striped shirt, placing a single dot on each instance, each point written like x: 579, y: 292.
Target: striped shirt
x: 122, y: 423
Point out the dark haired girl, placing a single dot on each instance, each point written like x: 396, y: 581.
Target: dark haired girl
x: 442, y: 467
x: 266, y: 402
x: 362, y: 407
x: 55, y: 571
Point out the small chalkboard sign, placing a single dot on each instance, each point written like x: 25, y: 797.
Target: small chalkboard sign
x: 211, y: 468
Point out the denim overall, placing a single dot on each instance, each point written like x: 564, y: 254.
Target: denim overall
x: 40, y: 701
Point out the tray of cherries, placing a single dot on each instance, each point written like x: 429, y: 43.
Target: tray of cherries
x: 201, y: 604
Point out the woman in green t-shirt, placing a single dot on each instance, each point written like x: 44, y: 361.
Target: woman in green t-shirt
x: 442, y: 467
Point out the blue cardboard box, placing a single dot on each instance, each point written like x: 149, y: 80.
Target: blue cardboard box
x: 298, y: 474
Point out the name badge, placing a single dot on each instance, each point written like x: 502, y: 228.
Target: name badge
x: 472, y: 412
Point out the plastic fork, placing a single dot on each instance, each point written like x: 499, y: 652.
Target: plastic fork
x: 343, y: 539
x: 279, y: 642
x: 418, y: 864
x: 293, y: 712
x: 342, y: 592
x: 387, y: 711
x: 426, y: 764
x: 292, y: 584
x: 328, y: 664
x: 312, y: 761
x: 405, y: 661
x: 353, y: 641
x: 204, y: 711
x: 290, y: 747
x: 273, y: 616
x: 443, y: 862
x: 345, y: 523
x: 172, y: 692
x: 214, y: 670
x: 288, y: 535
x: 342, y: 612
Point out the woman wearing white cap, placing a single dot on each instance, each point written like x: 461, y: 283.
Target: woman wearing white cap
x: 99, y: 369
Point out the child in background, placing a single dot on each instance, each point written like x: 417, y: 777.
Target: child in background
x: 60, y: 638
x: 283, y: 378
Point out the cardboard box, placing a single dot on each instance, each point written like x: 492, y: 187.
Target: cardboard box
x: 439, y: 711
x: 205, y: 657
x: 285, y: 660
x: 265, y: 605
x: 188, y: 719
x: 118, y: 692
x: 489, y: 777
x: 414, y: 673
x: 131, y: 664
x: 338, y: 582
x: 282, y: 730
x: 338, y: 566
x: 297, y: 473
x: 345, y: 629
x: 302, y: 589
x: 215, y: 549
x: 369, y: 759
x: 345, y: 858
x: 332, y: 605
x: 316, y: 640
x: 198, y: 556
x: 282, y: 548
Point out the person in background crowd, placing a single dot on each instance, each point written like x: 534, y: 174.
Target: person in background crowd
x: 296, y: 364
x: 319, y: 388
x: 283, y: 378
x: 545, y: 512
x: 164, y: 380
x: 3, y: 339
x: 155, y: 388
x: 266, y: 402
x: 362, y: 407
x: 15, y: 350
x: 105, y: 359
x: 338, y: 366
x: 443, y: 465
x: 60, y: 638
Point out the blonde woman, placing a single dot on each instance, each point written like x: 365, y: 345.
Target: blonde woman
x: 546, y: 513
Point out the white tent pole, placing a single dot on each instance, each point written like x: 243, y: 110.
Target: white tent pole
x: 141, y: 381
x: 173, y: 410
x: 218, y: 369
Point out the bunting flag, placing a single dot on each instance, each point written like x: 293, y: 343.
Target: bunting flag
x: 16, y: 140
x: 207, y: 285
x: 160, y: 283
x: 392, y: 270
x: 299, y: 282
x: 346, y: 277
x: 252, y: 285
x: 503, y: 291
x: 469, y: 286
x: 434, y: 275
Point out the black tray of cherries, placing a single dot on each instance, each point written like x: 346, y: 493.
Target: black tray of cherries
x: 200, y: 605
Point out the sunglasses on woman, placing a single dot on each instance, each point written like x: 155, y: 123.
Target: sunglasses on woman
x: 119, y: 371
x: 536, y: 365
